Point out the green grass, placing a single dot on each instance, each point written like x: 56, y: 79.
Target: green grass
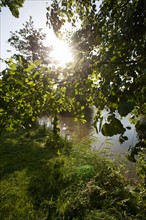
x: 25, y: 174
x: 45, y: 177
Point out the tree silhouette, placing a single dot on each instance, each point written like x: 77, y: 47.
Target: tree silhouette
x: 28, y: 41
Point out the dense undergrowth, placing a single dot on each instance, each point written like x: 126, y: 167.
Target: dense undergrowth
x: 44, y: 176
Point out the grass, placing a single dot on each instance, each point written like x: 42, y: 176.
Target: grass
x: 45, y: 177
x: 24, y: 174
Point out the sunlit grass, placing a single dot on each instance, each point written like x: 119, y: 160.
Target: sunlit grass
x: 44, y: 176
x: 24, y: 173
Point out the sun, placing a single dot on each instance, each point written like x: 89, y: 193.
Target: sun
x: 61, y: 53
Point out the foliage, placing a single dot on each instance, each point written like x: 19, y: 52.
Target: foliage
x: 21, y: 105
x: 109, y: 70
x: 47, y: 178
x: 142, y: 167
x: 25, y: 173
x: 13, y: 6
x: 96, y: 188
x: 42, y: 176
x: 28, y: 41
x: 30, y: 85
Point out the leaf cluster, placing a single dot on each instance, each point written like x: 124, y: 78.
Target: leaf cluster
x: 110, y: 56
x: 109, y: 68
x: 13, y: 6
x: 21, y: 105
x: 29, y: 43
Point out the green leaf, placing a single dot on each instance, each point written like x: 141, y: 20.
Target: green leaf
x: 11, y: 72
x: 15, y: 12
x: 107, y: 130
x: 117, y: 126
x: 128, y: 127
x: 30, y: 68
x: 35, y: 74
x: 20, y: 60
x: 75, y: 119
x: 125, y: 108
x: 10, y: 60
x: 114, y: 58
x: 37, y: 62
x: 110, y: 117
x: 13, y: 66
x: 125, y: 138
x: 31, y: 83
x: 113, y: 128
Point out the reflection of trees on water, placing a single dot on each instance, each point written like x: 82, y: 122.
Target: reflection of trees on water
x: 113, y: 143
x: 76, y: 130
x: 79, y: 131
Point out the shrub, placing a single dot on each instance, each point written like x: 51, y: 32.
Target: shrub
x: 96, y: 189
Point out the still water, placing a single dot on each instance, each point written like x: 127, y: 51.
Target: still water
x: 79, y: 131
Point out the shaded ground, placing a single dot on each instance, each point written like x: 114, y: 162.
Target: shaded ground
x: 43, y: 177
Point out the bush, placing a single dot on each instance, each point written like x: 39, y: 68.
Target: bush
x: 96, y: 189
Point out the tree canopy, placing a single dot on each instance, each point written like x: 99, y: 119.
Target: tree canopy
x: 110, y: 48
x: 13, y: 6
x: 109, y: 70
x: 29, y: 43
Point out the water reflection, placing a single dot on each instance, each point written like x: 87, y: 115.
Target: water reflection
x: 79, y: 131
x: 76, y: 130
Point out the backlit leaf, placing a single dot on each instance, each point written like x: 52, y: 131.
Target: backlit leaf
x: 125, y: 108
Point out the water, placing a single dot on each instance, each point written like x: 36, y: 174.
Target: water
x: 79, y: 131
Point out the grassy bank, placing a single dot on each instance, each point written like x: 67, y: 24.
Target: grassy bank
x: 45, y: 177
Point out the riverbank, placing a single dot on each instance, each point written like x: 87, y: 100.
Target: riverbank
x: 47, y: 177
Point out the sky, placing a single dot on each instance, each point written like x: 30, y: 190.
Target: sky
x: 34, y: 8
